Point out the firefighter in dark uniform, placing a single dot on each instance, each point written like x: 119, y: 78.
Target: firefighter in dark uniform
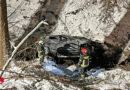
x: 83, y: 62
x: 40, y: 50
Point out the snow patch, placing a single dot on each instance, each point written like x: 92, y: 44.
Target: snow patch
x: 83, y: 18
x: 44, y: 85
x: 19, y: 15
x: 116, y: 78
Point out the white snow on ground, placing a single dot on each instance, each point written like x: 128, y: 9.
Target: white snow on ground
x: 116, y: 78
x: 19, y: 15
x: 13, y: 80
x: 110, y: 79
x: 88, y: 20
x: 45, y: 85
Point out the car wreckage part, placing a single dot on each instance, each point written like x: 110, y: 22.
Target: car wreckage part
x: 62, y: 47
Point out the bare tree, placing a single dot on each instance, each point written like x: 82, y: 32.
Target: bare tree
x: 4, y: 34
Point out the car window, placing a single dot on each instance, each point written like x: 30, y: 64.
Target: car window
x: 52, y: 37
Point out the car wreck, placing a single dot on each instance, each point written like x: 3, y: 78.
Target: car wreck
x: 62, y: 48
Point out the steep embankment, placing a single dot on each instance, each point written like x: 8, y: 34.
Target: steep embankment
x: 74, y: 17
x: 85, y: 18
x: 91, y: 19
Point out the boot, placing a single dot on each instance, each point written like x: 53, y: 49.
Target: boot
x: 82, y: 77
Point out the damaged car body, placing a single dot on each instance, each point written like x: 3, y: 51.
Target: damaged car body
x: 62, y: 47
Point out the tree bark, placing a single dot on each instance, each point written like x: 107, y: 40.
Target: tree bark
x: 4, y: 34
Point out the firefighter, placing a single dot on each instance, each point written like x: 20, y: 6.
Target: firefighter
x: 40, y: 50
x: 83, y: 62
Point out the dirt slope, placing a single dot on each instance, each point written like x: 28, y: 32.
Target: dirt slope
x: 121, y: 34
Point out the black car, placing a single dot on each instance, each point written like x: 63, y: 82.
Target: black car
x: 61, y: 46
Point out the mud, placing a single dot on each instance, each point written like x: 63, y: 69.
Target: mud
x: 49, y: 11
x: 125, y: 64
x: 121, y: 34
x: 119, y: 38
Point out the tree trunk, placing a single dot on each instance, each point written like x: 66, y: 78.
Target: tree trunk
x: 4, y: 34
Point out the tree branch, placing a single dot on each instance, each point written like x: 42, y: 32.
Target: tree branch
x: 19, y: 45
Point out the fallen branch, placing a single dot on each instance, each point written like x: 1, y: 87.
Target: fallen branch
x: 20, y: 74
x: 19, y: 45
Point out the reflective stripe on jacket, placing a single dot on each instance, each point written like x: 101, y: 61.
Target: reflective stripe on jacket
x: 41, y: 51
x: 84, y: 61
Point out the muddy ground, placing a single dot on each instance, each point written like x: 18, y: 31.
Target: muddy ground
x: 49, y: 11
x: 121, y: 34
x: 120, y: 37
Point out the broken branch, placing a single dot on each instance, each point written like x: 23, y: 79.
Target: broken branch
x: 19, y: 45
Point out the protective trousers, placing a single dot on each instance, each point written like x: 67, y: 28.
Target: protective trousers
x: 83, y: 63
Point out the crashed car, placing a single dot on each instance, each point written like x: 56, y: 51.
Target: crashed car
x: 62, y: 46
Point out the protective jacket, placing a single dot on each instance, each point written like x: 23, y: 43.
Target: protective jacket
x: 41, y: 51
x: 83, y: 61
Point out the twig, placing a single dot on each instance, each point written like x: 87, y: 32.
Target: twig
x: 12, y: 44
x: 19, y: 75
x: 14, y: 24
x: 64, y: 24
x: 29, y: 47
x: 19, y: 45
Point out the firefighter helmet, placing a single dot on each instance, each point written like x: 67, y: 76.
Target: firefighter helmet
x: 84, y: 51
x: 37, y: 41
